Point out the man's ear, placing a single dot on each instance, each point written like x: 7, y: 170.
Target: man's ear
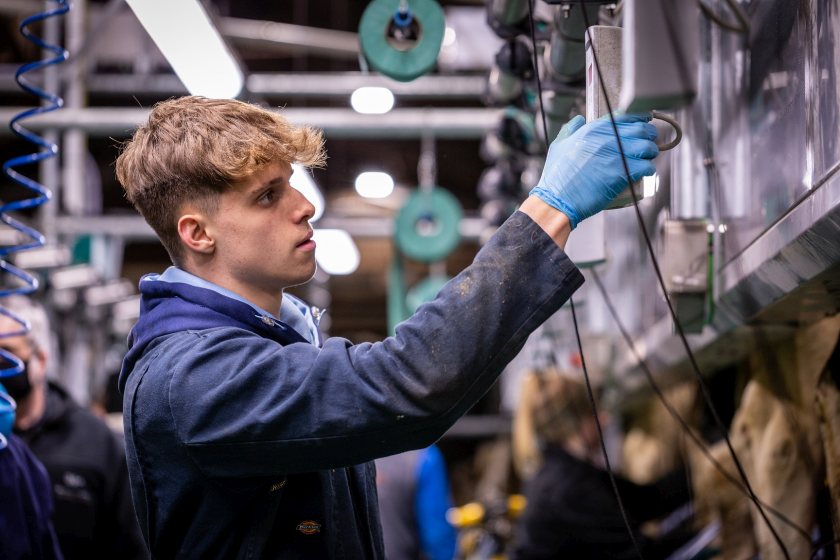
x: 192, y: 229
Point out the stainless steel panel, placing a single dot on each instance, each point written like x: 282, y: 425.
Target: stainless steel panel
x: 775, y: 156
x: 763, y: 153
x: 797, y: 250
x: 827, y: 99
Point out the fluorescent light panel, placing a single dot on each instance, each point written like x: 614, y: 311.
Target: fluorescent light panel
x: 374, y: 184
x: 191, y: 44
x: 372, y: 100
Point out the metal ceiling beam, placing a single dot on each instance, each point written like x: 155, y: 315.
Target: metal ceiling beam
x: 135, y: 227
x: 336, y: 123
x: 344, y: 83
x: 289, y: 38
x: 289, y: 85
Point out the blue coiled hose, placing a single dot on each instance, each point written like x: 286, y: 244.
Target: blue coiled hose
x: 32, y: 238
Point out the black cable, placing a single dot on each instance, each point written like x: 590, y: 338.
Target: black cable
x: 589, y: 390
x: 696, y: 368
x: 601, y: 433
x: 676, y: 415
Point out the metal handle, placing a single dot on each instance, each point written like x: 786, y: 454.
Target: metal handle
x: 677, y: 131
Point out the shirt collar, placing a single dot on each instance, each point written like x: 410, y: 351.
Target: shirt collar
x: 292, y: 311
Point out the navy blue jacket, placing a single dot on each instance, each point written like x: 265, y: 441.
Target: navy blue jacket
x: 245, y: 441
x: 85, y: 460
x: 26, y: 531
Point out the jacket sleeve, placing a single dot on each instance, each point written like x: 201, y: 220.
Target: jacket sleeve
x: 245, y: 406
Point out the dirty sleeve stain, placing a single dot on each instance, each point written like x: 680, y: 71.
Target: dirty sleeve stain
x: 465, y: 286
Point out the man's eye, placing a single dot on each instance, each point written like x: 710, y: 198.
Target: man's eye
x: 267, y: 197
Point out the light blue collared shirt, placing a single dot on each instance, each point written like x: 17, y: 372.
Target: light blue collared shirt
x: 292, y: 311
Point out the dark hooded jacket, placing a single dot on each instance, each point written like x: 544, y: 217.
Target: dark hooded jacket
x: 572, y: 512
x: 26, y: 507
x: 246, y: 441
x: 86, y: 463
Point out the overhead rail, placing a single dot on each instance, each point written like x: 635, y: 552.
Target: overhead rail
x: 399, y: 123
x: 289, y: 38
x: 281, y: 84
x: 133, y: 227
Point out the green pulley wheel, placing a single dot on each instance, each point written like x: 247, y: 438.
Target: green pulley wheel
x: 402, y: 44
x: 426, y: 228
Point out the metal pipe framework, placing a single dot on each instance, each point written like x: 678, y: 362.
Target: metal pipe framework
x: 337, y: 123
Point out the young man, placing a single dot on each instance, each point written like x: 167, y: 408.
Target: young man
x: 246, y: 437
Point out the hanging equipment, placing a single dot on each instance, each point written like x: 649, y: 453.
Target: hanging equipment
x: 400, y: 38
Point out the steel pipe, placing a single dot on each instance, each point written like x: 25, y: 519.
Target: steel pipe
x: 287, y: 37
x: 337, y: 123
x: 134, y: 227
x: 288, y: 85
x: 344, y: 83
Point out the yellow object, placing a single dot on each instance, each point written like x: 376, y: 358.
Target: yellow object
x: 516, y: 505
x: 468, y: 515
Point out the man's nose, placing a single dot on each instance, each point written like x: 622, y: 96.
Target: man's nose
x: 306, y: 208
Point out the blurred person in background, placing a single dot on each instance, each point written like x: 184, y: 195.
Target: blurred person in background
x: 414, y: 496
x: 85, y: 460
x: 571, y: 509
x: 26, y: 504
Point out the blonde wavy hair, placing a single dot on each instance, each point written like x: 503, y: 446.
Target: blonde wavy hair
x: 193, y: 148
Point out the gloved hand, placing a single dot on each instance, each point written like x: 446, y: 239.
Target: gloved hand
x: 583, y: 172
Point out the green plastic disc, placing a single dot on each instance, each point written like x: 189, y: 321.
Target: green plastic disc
x: 402, y: 59
x: 426, y: 228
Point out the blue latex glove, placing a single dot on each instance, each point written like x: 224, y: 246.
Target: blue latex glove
x: 583, y: 172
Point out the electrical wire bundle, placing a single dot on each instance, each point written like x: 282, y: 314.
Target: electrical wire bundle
x: 30, y: 238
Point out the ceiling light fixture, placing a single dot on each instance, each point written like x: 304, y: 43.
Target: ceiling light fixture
x: 374, y: 184
x: 372, y: 100
x: 191, y: 44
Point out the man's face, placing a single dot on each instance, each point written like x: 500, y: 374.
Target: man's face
x: 262, y: 234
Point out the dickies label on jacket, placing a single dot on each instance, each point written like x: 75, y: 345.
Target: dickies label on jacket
x: 309, y: 527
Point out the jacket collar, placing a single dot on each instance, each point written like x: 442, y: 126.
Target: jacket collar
x: 170, y: 307
x: 292, y: 312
